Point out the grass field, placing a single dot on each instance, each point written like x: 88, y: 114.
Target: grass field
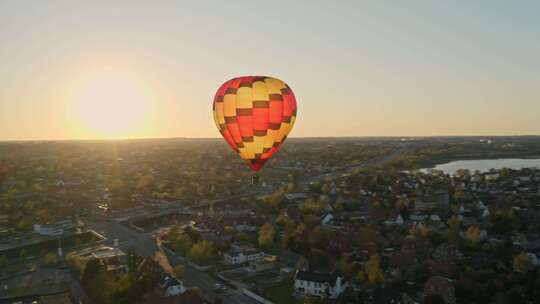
x: 281, y: 293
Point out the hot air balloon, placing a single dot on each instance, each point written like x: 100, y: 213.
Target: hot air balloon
x: 254, y: 114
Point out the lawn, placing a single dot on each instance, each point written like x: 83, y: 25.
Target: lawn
x: 281, y: 293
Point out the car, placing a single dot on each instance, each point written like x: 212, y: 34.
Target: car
x: 219, y: 287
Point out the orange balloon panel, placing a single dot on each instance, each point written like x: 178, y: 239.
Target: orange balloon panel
x: 254, y: 114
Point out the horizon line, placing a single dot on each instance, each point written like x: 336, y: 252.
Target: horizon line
x: 295, y: 137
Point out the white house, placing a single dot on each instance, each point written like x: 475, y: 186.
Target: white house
x: 322, y: 285
x: 327, y: 218
x: 240, y: 256
x: 171, y: 286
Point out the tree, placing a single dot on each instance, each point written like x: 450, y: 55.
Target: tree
x: 459, y: 195
x: 283, y: 220
x: 311, y: 206
x: 434, y: 299
x: 202, y: 252
x: 183, y: 244
x: 96, y: 281
x: 288, y: 234
x: 50, y: 258
x: 473, y: 236
x: 319, y: 237
x: 453, y: 222
x: 144, y: 181
x: 300, y: 235
x: 345, y: 266
x: 523, y: 263
x: 373, y: 269
x: 3, y: 261
x: 266, y: 235
x: 23, y: 254
x: 178, y: 271
x: 311, y: 220
x: 361, y: 276
x: 29, y: 206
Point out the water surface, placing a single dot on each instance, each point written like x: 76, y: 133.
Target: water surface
x: 485, y: 165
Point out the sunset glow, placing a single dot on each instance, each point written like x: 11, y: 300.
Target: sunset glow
x: 110, y: 103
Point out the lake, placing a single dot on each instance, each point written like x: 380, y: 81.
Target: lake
x: 484, y: 165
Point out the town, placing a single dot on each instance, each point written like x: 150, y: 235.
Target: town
x: 328, y: 220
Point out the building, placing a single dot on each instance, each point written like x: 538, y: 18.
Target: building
x: 54, y: 229
x: 261, y: 265
x: 322, y: 285
x: 240, y: 256
x: 114, y: 259
x: 291, y: 261
x: 171, y: 286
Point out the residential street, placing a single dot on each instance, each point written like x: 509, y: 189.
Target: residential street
x: 144, y: 245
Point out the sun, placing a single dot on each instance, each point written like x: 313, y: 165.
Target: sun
x: 110, y: 103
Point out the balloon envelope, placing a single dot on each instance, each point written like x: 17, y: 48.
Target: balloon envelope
x: 254, y: 114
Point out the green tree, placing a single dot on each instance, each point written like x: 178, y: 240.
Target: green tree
x: 97, y: 282
x: 23, y: 254
x: 50, y: 258
x: 202, y: 252
x: 3, y: 261
x: 183, y: 244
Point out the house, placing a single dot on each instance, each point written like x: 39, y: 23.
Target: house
x: 291, y: 261
x: 239, y: 256
x: 171, y: 286
x: 322, y: 285
x: 327, y: 218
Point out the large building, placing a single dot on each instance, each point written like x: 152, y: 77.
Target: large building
x: 322, y: 285
x: 241, y: 256
x: 54, y: 229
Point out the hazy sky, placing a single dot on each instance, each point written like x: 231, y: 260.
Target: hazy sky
x: 357, y: 67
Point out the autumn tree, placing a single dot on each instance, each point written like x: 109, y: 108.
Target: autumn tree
x: 178, y: 271
x: 473, y: 236
x: 202, y: 252
x: 311, y: 220
x: 183, y: 243
x: 345, y: 266
x: 288, y: 234
x: 266, y: 235
x: 373, y: 270
x: 523, y: 263
x: 50, y: 258
x: 319, y: 237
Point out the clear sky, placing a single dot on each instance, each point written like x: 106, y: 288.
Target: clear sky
x: 94, y: 69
